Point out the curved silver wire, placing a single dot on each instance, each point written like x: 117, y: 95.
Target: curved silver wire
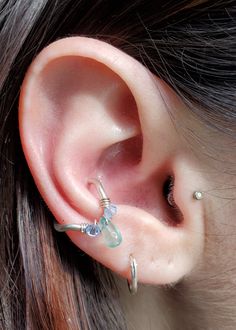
x: 104, y: 199
x: 133, y: 286
x: 80, y: 227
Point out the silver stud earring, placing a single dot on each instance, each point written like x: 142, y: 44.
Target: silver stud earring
x: 198, y: 195
x: 111, y: 234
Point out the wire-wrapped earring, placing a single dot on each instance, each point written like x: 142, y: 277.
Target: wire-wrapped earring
x: 111, y: 234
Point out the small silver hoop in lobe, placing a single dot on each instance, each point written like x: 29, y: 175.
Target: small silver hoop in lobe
x: 133, y: 286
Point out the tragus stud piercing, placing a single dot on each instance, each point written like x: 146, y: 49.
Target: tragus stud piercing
x: 111, y: 234
x: 133, y: 286
x: 198, y: 195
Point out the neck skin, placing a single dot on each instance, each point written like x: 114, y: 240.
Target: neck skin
x: 147, y: 309
x: 182, y: 308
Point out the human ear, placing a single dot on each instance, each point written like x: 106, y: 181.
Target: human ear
x: 89, y: 110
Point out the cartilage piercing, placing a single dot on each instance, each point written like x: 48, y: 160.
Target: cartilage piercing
x: 111, y: 234
x: 77, y: 227
x: 104, y: 200
x: 87, y: 228
x: 198, y: 195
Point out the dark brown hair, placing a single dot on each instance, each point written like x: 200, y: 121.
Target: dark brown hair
x: 46, y: 282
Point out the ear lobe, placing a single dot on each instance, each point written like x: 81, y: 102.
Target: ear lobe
x: 88, y: 110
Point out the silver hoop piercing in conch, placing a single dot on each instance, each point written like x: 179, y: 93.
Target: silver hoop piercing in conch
x: 111, y: 234
x: 133, y: 286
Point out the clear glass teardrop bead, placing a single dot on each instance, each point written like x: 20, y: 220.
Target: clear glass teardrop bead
x: 111, y: 234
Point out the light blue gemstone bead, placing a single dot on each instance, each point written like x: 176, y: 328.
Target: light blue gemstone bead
x: 109, y: 211
x: 110, y: 232
x: 113, y: 208
x: 93, y: 230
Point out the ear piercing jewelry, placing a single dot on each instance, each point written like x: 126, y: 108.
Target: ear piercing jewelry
x: 198, y: 195
x: 133, y: 286
x: 111, y: 234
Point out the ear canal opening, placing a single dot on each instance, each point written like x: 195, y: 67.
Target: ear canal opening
x: 174, y: 215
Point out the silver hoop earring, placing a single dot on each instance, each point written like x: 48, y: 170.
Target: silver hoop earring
x: 133, y: 286
x: 111, y: 234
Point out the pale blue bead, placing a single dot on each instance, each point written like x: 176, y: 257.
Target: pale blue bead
x: 111, y: 234
x: 109, y: 211
x: 93, y: 230
x: 113, y: 208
